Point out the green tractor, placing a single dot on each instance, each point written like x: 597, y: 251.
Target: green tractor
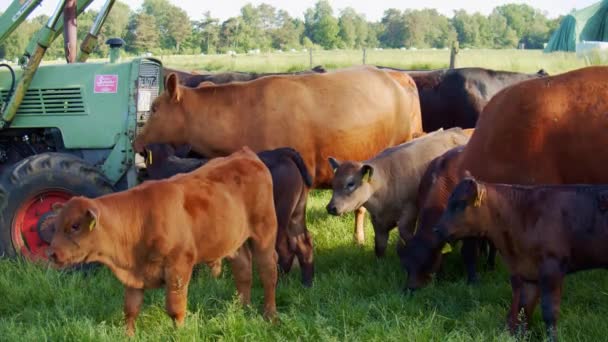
x: 65, y: 129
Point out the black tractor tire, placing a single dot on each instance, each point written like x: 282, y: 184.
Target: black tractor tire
x: 34, y: 175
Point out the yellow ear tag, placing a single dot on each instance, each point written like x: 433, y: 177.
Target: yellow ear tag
x: 92, y: 224
x: 150, y: 157
x: 336, y: 169
x: 480, y: 195
x: 447, y: 248
x: 366, y: 176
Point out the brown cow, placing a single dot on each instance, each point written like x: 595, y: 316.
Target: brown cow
x: 543, y: 131
x: 542, y: 233
x: 420, y: 256
x: 152, y: 235
x: 350, y: 114
x: 290, y: 184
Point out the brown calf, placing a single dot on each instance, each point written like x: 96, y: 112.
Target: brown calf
x: 152, y: 235
x: 542, y: 233
x: 291, y: 182
x: 421, y: 256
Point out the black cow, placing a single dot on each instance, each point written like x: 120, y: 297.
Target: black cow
x: 193, y: 80
x: 456, y: 97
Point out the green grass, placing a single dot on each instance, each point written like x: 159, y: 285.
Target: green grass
x: 355, y: 298
x: 511, y: 60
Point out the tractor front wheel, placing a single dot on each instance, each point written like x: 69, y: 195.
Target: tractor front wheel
x: 29, y: 188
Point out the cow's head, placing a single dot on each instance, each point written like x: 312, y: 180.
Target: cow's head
x: 351, y: 186
x: 420, y: 257
x: 167, y: 120
x: 459, y: 217
x: 157, y: 154
x: 76, y: 237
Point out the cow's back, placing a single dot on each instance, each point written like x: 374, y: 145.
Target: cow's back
x: 456, y: 98
x: 225, y: 199
x: 406, y: 163
x: 549, y: 130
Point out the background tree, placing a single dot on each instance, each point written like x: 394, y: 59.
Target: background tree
x: 468, y: 28
x: 229, y: 34
x: 179, y: 27
x: 529, y: 24
x: 143, y: 35
x: 323, y: 25
x: 158, y: 26
x: 209, y: 33
x: 393, y: 29
x: 499, y: 34
x: 288, y: 33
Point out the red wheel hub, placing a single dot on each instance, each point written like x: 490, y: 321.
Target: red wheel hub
x: 32, y: 219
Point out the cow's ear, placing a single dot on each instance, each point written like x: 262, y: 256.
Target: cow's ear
x: 172, y: 87
x: 467, y: 174
x: 367, y: 171
x: 93, y: 214
x: 55, y: 207
x: 334, y: 163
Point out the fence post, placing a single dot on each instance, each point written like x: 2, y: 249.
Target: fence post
x: 453, y: 53
x: 310, y: 56
x: 364, y: 55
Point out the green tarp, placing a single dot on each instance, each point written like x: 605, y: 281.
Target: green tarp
x: 590, y: 24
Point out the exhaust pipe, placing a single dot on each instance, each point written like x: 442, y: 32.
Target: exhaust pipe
x: 70, y: 34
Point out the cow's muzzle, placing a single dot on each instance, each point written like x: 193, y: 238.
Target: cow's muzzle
x: 332, y: 209
x: 442, y: 233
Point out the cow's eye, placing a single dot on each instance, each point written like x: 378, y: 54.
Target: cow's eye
x: 75, y: 227
x: 350, y: 185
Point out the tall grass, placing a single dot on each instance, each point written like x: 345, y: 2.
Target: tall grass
x: 510, y: 60
x: 355, y: 297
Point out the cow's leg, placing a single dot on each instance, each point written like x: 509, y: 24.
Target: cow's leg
x: 241, y: 270
x: 304, y: 252
x: 406, y: 226
x: 177, y: 278
x: 300, y: 240
x: 380, y: 240
x: 216, y: 268
x: 469, y: 256
x: 359, y: 225
x: 133, y: 300
x: 265, y: 258
x: 528, y: 301
x: 491, y: 256
x: 551, y: 279
x: 284, y: 250
x: 512, y: 318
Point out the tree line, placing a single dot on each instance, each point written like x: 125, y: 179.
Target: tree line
x: 163, y: 28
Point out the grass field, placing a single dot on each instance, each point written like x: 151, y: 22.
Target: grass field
x: 511, y: 60
x: 355, y: 296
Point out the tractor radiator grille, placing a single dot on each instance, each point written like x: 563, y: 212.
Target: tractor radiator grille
x: 51, y: 102
x: 148, y: 86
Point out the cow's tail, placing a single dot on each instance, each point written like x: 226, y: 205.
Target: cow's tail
x: 297, y: 159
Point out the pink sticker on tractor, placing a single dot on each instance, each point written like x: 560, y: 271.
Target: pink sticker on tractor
x: 106, y: 84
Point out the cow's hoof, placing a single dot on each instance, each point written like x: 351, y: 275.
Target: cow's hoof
x: 272, y: 317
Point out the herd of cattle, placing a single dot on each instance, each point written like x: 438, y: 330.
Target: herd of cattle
x: 495, y: 159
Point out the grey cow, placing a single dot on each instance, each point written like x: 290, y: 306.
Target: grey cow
x: 387, y: 184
